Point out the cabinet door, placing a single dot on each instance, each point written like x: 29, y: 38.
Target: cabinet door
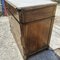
x: 36, y: 35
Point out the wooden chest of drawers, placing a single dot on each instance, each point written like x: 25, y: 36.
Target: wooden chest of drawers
x: 31, y: 26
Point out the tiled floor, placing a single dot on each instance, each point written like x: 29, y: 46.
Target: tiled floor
x: 8, y: 47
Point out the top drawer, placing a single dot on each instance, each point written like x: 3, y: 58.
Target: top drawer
x: 29, y: 15
x: 37, y: 14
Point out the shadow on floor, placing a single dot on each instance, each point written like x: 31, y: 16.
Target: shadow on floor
x: 45, y: 55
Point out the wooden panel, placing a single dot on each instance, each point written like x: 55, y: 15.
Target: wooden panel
x: 15, y: 29
x: 35, y: 35
x: 12, y: 10
x: 37, y: 14
x: 6, y: 4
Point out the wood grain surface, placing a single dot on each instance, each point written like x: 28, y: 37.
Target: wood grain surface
x: 31, y: 28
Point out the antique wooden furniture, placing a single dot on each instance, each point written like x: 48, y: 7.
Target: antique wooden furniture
x: 31, y: 23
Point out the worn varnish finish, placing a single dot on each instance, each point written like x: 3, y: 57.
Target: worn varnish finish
x: 31, y: 27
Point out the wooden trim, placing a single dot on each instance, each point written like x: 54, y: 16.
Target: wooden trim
x: 26, y: 9
x: 50, y: 30
x: 37, y: 7
x: 44, y: 48
x: 14, y: 17
x: 35, y: 20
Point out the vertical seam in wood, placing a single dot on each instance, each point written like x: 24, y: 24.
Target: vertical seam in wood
x: 50, y: 30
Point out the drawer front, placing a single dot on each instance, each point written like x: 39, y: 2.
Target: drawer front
x: 37, y: 14
x: 13, y: 10
x: 35, y: 35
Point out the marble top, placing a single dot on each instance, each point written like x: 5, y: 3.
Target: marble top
x: 28, y: 3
